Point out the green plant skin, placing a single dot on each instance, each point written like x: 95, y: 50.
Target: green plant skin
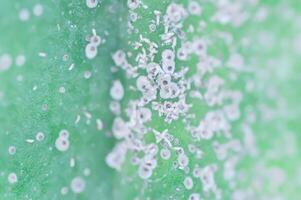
x: 43, y: 170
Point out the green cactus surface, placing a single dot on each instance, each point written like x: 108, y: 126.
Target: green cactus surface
x: 150, y: 100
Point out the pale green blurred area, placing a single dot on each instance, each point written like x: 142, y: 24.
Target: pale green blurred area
x: 273, y: 57
x: 42, y: 170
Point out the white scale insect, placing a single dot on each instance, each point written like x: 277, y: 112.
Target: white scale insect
x: 143, y: 83
x: 145, y: 172
x: 40, y: 136
x: 12, y: 150
x: 91, y: 3
x: 12, y: 178
x: 183, y: 160
x: 144, y: 115
x: 117, y: 91
x: 165, y: 154
x: 78, y: 185
x: 194, y: 196
x: 194, y: 8
x: 91, y: 50
x: 175, y: 12
x: 188, y: 183
x: 119, y: 57
x: 133, y: 4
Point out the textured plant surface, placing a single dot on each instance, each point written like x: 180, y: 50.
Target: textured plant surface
x: 149, y: 99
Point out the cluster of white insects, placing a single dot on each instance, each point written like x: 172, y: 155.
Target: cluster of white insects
x: 91, y: 47
x: 165, y: 87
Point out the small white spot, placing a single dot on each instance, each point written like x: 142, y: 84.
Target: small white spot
x: 174, y: 89
x: 169, y: 67
x: 182, y: 54
x: 99, y: 124
x: 91, y: 3
x: 133, y: 16
x: 42, y: 54
x: 12, y: 150
x: 65, y: 57
x: 119, y: 57
x: 78, y: 184
x: 30, y: 141
x: 71, y: 67
x: 87, y: 115
x: 24, y: 14
x: 64, y: 134
x: 207, y: 177
x: 115, y: 107
x: 87, y: 172
x: 199, y: 47
x: 120, y: 128
x: 19, y: 78
x: 58, y: 27
x: 20, y: 60
x: 40, y: 136
x: 153, y: 69
x: 116, y: 157
x: 64, y: 190
x: 175, y: 12
x: 168, y: 55
x: 194, y: 196
x: 5, y: 62
x: 144, y: 115
x: 164, y: 79
x: 77, y: 119
x: 196, y: 172
x: 165, y: 154
x: 45, y: 107
x: 152, y: 27
x: 87, y: 74
x: 205, y: 131
x: 117, y: 90
x: 194, y: 8
x: 144, y: 172
x: 38, y: 10
x: 91, y: 50
x: 12, y: 178
x: 133, y: 4
x: 72, y: 162
x: 188, y: 183
x: 62, y: 144
x: 183, y: 160
x: 151, y: 149
x: 95, y: 39
x: 62, y: 90
x: 143, y: 83
x: 165, y: 92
